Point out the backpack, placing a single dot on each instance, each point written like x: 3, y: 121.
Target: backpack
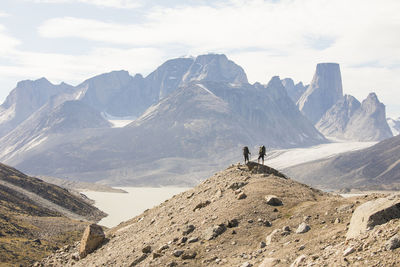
x: 262, y: 150
x: 245, y: 150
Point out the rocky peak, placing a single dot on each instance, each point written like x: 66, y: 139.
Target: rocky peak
x: 215, y: 67
x: 167, y: 77
x: 335, y: 120
x: 324, y: 91
x: 371, y: 103
x: 294, y: 91
x: 369, y: 122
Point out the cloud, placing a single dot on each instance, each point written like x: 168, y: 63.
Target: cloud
x: 7, y: 42
x: 76, y: 68
x: 286, y: 38
x: 3, y: 14
x: 101, y: 3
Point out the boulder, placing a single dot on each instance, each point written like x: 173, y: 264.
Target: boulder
x: 269, y: 262
x: 303, y: 228
x: 188, y: 229
x: 92, y: 238
x: 242, y: 195
x: 393, y: 242
x: 348, y: 251
x: 187, y: 255
x: 273, y: 200
x: 299, y: 261
x: 273, y: 236
x: 371, y: 213
x: 214, y: 231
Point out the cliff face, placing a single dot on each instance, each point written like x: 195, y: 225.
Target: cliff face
x: 324, y: 91
x: 335, y: 120
x: 369, y: 122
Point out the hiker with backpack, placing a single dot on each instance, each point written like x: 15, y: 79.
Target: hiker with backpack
x: 246, y: 153
x: 261, y: 154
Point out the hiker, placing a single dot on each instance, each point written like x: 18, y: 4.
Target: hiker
x: 246, y: 153
x: 261, y: 154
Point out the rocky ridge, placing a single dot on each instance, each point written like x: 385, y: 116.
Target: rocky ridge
x: 231, y: 220
x: 37, y: 218
x: 351, y: 120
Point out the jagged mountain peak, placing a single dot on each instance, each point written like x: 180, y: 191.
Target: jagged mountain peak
x: 215, y: 67
x: 324, y: 91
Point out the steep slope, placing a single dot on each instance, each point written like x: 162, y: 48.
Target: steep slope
x: 215, y: 67
x: 167, y: 78
x: 374, y: 167
x: 227, y: 220
x: 394, y: 125
x: 324, y: 91
x: 35, y: 217
x: 116, y: 93
x: 336, y: 119
x: 196, y: 129
x: 25, y: 99
x: 294, y: 91
x: 369, y: 122
x: 71, y: 116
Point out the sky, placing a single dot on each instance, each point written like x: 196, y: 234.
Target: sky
x: 73, y: 40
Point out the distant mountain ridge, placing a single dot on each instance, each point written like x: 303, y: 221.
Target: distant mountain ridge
x: 376, y: 167
x: 202, y: 110
x: 335, y: 115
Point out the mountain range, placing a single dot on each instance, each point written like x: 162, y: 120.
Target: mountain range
x: 337, y: 115
x: 191, y: 116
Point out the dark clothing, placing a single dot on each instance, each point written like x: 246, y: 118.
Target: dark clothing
x: 261, y: 154
x: 246, y: 153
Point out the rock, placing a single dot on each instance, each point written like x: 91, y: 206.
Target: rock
x: 177, y: 253
x: 187, y: 255
x: 262, y: 244
x: 345, y: 208
x: 139, y: 260
x: 348, y: 251
x: 188, y: 229
x: 242, y: 195
x: 202, y: 205
x: 214, y: 231
x: 183, y: 240
x: 337, y: 220
x: 146, y: 249
x: 156, y: 255
x: 269, y: 262
x: 286, y: 228
x: 246, y: 264
x: 193, y: 240
x: 273, y: 200
x: 299, y: 261
x: 267, y: 223
x: 374, y: 212
x: 233, y: 223
x: 237, y: 185
x: 393, y: 242
x: 303, y: 228
x: 92, y: 238
x: 273, y: 236
x: 75, y: 256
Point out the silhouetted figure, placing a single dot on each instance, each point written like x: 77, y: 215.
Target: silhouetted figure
x: 246, y: 153
x: 261, y: 154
